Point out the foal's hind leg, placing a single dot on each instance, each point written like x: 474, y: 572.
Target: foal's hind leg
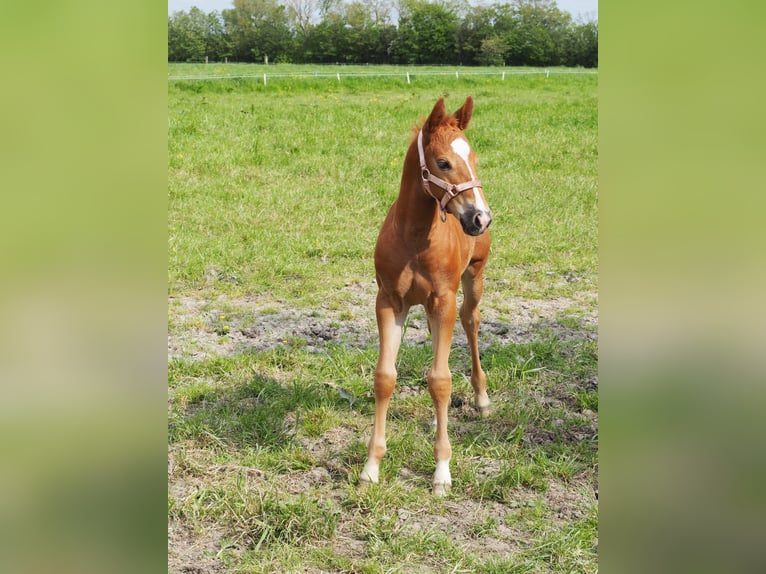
x: 470, y: 317
x: 390, y: 324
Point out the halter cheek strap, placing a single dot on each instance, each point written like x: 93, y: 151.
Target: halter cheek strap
x: 451, y: 190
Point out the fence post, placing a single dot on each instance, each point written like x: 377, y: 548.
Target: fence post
x: 503, y: 75
x: 339, y: 76
x: 547, y: 72
x: 408, y: 77
x: 264, y: 79
x: 458, y: 77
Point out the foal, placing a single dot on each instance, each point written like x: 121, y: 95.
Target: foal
x: 432, y: 240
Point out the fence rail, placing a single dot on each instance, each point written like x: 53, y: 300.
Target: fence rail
x: 403, y: 74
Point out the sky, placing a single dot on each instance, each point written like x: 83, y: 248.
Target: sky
x: 586, y: 9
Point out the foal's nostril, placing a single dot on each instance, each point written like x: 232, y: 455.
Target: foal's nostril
x: 481, y: 220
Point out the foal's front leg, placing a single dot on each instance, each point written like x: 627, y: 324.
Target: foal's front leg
x: 470, y: 317
x: 390, y: 325
x: 442, y: 312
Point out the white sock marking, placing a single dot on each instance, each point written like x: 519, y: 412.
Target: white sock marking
x: 442, y: 474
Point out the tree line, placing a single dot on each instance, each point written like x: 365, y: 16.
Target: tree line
x: 515, y: 33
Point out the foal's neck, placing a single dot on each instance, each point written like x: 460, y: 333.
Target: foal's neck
x: 416, y: 211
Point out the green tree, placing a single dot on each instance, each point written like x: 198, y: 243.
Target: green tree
x: 217, y: 44
x: 538, y: 35
x: 492, y: 52
x: 428, y: 33
x: 332, y: 38
x: 581, y: 45
x: 482, y: 23
x: 349, y: 33
x: 475, y: 27
x: 368, y: 36
x: 519, y: 32
x: 258, y: 28
x: 186, y: 36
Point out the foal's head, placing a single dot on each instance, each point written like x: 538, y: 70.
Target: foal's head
x: 449, y: 157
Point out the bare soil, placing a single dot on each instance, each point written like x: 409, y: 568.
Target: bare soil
x: 259, y: 324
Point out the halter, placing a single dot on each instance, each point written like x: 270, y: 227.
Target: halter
x: 451, y: 190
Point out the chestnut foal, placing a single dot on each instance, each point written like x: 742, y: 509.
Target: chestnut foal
x: 433, y: 239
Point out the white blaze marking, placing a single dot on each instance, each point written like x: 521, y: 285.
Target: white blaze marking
x: 460, y: 147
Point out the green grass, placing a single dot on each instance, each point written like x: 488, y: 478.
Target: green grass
x: 283, y: 191
x: 276, y: 195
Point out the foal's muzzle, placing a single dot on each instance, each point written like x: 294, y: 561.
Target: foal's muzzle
x: 475, y: 221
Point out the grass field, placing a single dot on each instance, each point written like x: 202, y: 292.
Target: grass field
x: 276, y: 195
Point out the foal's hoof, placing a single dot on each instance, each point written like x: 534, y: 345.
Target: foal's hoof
x: 366, y: 479
x: 481, y: 404
x: 484, y: 411
x: 441, y: 490
x: 365, y: 485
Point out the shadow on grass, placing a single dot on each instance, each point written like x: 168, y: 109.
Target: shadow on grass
x: 256, y: 412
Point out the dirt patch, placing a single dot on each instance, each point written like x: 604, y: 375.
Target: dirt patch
x: 200, y: 329
x: 193, y: 552
x: 569, y: 502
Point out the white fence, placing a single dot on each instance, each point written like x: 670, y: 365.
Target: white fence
x: 405, y: 74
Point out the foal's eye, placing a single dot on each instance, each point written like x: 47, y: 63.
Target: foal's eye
x: 443, y: 164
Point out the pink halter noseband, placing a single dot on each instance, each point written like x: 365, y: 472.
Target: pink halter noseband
x: 451, y: 190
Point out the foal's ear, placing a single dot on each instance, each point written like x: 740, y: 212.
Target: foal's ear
x: 463, y: 114
x: 436, y: 117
